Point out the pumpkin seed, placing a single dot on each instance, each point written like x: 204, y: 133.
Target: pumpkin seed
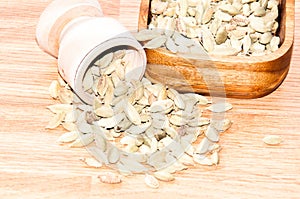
x: 221, y: 125
x: 104, y: 111
x: 146, y: 35
x: 191, y: 19
x: 139, y: 129
x: 88, y: 80
x: 208, y: 40
x: 102, y: 85
x: 59, y: 108
x: 221, y: 35
x: 176, y: 167
x: 133, y: 165
x: 56, y: 120
x: 54, y: 89
x: 274, y: 43
x: 69, y: 126
x: 202, y: 160
x: 246, y: 43
x: 154, y: 125
x: 105, y: 60
x: 230, y: 9
x: 99, y: 155
x: 161, y: 106
x: 110, y: 178
x: 156, y: 42
x: 220, y: 107
x: 91, y: 162
x: 203, y: 147
x: 123, y: 169
x: 100, y: 142
x: 151, y: 181
x: 121, y: 89
x: 183, y: 4
x: 212, y: 134
x: 171, y: 46
x: 272, y: 140
x: 214, y: 158
x: 113, y: 155
x: 112, y: 121
x: 132, y: 114
x: 68, y: 137
x: 82, y: 140
x: 164, y: 176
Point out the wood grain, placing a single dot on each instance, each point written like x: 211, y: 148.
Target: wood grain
x: 242, y: 76
x: 33, y: 165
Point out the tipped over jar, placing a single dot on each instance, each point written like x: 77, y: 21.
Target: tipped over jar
x: 77, y: 34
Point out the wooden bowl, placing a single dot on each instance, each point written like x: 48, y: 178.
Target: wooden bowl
x: 242, y: 76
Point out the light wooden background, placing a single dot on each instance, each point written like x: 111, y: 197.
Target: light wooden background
x: 32, y: 165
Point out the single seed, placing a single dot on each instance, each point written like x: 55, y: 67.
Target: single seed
x: 68, y: 137
x: 272, y: 140
x: 151, y: 181
x: 91, y: 162
x: 54, y: 89
x: 110, y: 178
x: 164, y: 176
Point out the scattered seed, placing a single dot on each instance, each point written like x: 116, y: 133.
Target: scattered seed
x: 112, y: 121
x: 202, y: 160
x: 164, y: 176
x: 220, y: 107
x: 222, y: 125
x: 137, y: 126
x: 70, y: 126
x: 54, y: 89
x: 156, y: 42
x: 68, y: 137
x: 215, y: 158
x: 65, y: 96
x: 212, y: 134
x: 91, y: 162
x: 113, y: 155
x: 151, y: 181
x: 56, y: 121
x: 59, y: 108
x: 132, y: 114
x: 272, y: 140
x: 101, y: 142
x: 110, y: 178
x: 82, y: 140
x: 133, y: 165
x: 145, y: 35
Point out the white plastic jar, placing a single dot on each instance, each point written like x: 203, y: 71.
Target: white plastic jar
x: 77, y: 33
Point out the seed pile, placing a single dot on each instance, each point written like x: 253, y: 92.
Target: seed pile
x: 137, y: 126
x: 222, y: 27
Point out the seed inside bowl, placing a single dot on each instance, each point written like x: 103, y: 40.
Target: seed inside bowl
x: 219, y: 27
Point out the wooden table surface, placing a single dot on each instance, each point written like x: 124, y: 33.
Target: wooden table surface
x: 33, y: 165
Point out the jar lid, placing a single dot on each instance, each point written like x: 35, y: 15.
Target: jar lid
x: 59, y: 13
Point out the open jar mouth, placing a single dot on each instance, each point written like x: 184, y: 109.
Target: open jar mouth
x: 77, y: 33
x: 135, y: 72
x: 87, y: 39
